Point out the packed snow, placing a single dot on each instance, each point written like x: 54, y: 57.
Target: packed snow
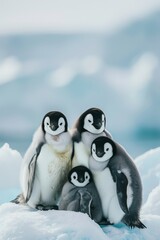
x: 22, y: 223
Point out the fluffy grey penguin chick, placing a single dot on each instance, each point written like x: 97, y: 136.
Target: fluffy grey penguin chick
x: 80, y: 194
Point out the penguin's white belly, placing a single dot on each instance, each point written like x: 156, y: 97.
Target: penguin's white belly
x: 107, y: 191
x: 51, y: 173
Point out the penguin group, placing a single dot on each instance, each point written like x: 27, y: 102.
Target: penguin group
x: 81, y: 169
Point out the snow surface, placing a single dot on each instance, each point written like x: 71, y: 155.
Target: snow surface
x: 19, y: 222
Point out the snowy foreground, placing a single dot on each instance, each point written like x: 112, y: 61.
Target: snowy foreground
x: 22, y: 223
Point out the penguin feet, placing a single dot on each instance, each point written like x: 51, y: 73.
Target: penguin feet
x: 19, y: 199
x: 46, y: 208
x: 133, y: 221
x: 104, y: 221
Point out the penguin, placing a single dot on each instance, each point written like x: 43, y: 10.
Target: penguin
x: 118, y: 182
x: 80, y: 194
x: 90, y: 125
x: 46, y: 163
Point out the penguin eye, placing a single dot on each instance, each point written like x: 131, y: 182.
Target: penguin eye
x: 47, y: 123
x: 61, y: 122
x: 89, y: 121
x: 74, y: 176
x: 108, y: 148
x: 86, y: 175
x: 93, y: 147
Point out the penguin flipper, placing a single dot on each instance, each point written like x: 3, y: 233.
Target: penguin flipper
x: 85, y: 202
x: 121, y: 184
x: 31, y: 175
x: 31, y: 171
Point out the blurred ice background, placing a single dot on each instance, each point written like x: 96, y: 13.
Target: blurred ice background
x: 72, y: 55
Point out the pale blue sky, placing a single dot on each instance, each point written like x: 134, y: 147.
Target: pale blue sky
x: 71, y: 15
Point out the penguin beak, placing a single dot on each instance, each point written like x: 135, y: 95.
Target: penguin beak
x: 99, y: 154
x: 98, y: 125
x: 81, y: 179
x: 53, y: 127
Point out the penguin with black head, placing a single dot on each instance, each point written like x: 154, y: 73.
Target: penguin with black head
x: 46, y: 163
x: 118, y: 182
x: 90, y: 125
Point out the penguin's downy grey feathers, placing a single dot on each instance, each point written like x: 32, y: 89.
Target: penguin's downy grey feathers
x: 85, y: 202
x: 80, y: 194
x: 74, y: 205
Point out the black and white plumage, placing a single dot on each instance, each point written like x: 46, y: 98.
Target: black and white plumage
x: 80, y: 194
x: 47, y: 162
x: 118, y: 182
x: 90, y: 125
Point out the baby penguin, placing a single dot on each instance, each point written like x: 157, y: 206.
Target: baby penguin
x: 90, y: 125
x: 80, y: 194
x: 46, y: 163
x: 118, y: 182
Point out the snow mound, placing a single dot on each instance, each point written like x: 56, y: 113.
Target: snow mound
x: 152, y: 205
x: 10, y: 162
x: 148, y: 165
x: 22, y: 223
